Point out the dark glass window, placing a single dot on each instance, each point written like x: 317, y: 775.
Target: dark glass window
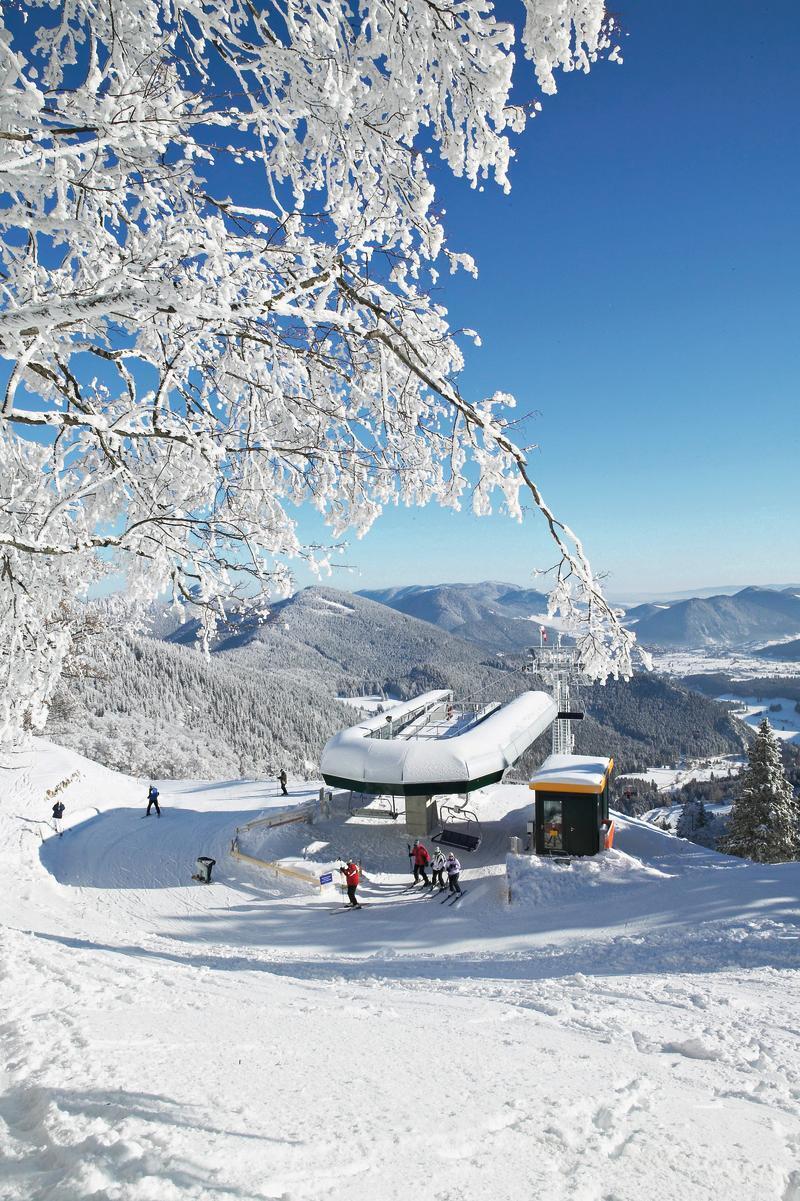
x: 552, y: 823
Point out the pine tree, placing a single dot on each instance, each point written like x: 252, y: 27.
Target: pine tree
x: 688, y: 819
x: 764, y: 823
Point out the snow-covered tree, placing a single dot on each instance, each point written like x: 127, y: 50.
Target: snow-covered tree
x: 218, y: 236
x: 691, y: 818
x: 763, y: 823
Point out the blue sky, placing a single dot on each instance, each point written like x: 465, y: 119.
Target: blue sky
x: 638, y: 292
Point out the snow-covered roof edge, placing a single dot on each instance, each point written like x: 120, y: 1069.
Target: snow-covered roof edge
x: 572, y: 773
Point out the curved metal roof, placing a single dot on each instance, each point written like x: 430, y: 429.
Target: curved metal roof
x: 362, y: 759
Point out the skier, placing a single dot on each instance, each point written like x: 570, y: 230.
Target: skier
x: 437, y: 867
x: 152, y: 799
x: 453, y: 872
x: 351, y: 877
x: 58, y: 813
x: 420, y: 858
x: 282, y: 778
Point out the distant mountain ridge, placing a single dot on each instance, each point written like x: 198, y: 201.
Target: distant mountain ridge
x: 504, y: 618
x: 343, y: 641
x: 628, y: 600
x: 750, y: 616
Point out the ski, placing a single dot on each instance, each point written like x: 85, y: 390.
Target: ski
x: 344, y: 909
x: 458, y: 896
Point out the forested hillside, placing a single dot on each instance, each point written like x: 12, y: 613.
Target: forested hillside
x: 500, y: 617
x: 167, y: 711
x: 345, y: 644
x: 266, y: 696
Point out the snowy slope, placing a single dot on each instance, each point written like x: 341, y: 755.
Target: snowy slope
x: 625, y: 1028
x: 781, y: 713
x: 670, y: 779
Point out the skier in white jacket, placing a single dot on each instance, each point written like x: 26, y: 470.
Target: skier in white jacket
x: 453, y: 872
x: 438, y: 864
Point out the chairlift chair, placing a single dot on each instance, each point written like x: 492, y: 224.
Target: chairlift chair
x: 460, y: 828
x: 382, y: 806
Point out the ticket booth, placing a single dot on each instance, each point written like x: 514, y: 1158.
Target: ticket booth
x: 571, y: 805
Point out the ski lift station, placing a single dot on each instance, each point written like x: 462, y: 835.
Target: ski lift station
x: 432, y: 747
x: 428, y: 747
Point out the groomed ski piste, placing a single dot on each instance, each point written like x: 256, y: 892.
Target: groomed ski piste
x: 625, y: 1028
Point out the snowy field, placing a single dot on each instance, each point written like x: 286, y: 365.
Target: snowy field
x: 669, y: 779
x: 737, y: 664
x: 625, y: 1028
x: 785, y: 720
x: 670, y: 814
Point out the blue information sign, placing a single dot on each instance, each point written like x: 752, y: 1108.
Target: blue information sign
x: 327, y: 878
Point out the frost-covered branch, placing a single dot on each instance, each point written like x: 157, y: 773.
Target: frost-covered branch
x: 218, y: 239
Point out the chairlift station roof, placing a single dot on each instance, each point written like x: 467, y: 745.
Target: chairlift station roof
x: 572, y: 773
x: 429, y: 746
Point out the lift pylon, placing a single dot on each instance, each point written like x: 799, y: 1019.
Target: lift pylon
x: 558, y: 666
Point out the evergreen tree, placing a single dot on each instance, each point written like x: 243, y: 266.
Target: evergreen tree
x: 763, y: 824
x: 689, y: 818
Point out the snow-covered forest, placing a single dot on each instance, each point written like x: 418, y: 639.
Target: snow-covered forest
x: 167, y: 712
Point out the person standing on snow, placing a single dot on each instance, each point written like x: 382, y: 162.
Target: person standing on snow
x: 437, y: 867
x: 152, y: 799
x: 58, y: 813
x: 419, y: 860
x: 453, y: 872
x: 282, y: 778
x: 351, y: 878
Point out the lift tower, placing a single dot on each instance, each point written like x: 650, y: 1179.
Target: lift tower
x: 559, y: 668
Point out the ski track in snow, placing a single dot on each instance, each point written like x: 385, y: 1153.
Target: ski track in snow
x: 632, y: 1033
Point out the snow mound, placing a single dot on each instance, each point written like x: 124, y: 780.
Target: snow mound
x: 691, y: 1048
x: 534, y: 880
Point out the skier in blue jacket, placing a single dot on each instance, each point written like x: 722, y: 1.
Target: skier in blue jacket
x: 152, y: 799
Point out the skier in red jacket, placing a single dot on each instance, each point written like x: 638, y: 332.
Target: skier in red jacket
x: 351, y: 877
x: 419, y: 861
